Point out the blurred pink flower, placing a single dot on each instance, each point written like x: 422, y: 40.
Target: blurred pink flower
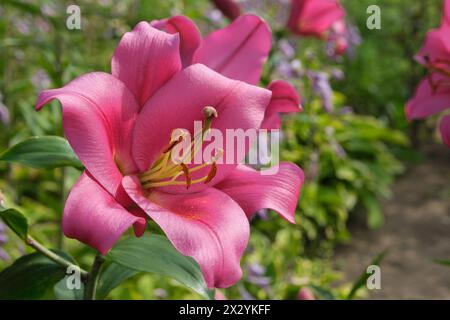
x: 322, y: 19
x: 305, y: 294
x: 228, y: 7
x: 219, y: 295
x: 314, y: 17
x: 433, y: 93
x: 121, y: 124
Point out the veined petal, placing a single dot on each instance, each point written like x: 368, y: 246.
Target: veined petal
x: 92, y: 216
x: 208, y: 226
x: 98, y: 118
x: 284, y: 99
x: 190, y: 37
x: 239, y: 50
x: 254, y: 190
x: 427, y: 101
x: 436, y: 48
x: 145, y: 59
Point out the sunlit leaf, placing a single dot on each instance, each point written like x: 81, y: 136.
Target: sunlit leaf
x: 16, y: 221
x: 42, y: 152
x: 155, y: 254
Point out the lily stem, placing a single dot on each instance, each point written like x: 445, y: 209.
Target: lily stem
x: 51, y: 255
x: 92, y: 279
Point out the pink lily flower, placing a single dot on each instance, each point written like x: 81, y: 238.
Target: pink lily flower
x: 121, y: 127
x: 314, y: 17
x: 433, y: 93
x: 322, y: 19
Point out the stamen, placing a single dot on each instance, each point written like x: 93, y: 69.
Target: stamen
x: 165, y: 170
x: 212, y: 173
x: 187, y: 175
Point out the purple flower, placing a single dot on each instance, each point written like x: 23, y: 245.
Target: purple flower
x: 289, y: 69
x: 263, y: 214
x: 3, y: 236
x: 4, y: 112
x: 256, y: 269
x: 4, y: 255
x: 214, y: 15
x: 245, y: 295
x: 286, y: 48
x: 353, y: 40
x: 346, y: 110
x: 160, y: 293
x: 313, y: 170
x: 22, y: 25
x: 3, y: 239
x: 41, y: 80
x: 337, y: 74
x: 321, y: 86
x: 338, y: 149
x: 256, y: 276
x: 49, y: 10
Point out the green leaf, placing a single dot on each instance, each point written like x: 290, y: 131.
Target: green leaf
x: 62, y: 291
x: 42, y: 152
x: 443, y: 262
x: 322, y: 293
x: 375, y: 218
x: 16, y: 221
x: 155, y: 254
x: 111, y: 276
x: 30, y: 276
x: 364, y: 275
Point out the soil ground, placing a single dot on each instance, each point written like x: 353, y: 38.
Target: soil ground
x: 416, y: 231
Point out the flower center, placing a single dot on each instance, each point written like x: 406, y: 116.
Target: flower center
x: 166, y: 172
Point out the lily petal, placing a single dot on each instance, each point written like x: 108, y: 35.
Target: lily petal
x: 92, y: 216
x: 190, y: 37
x: 284, y: 99
x: 181, y: 101
x: 145, y: 59
x: 98, y: 118
x: 239, y: 50
x: 445, y: 130
x: 314, y: 17
x: 208, y: 226
x: 427, y: 101
x: 436, y: 47
x: 254, y: 190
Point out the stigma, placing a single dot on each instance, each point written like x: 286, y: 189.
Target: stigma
x: 164, y: 171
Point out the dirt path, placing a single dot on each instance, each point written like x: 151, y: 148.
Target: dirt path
x: 416, y: 230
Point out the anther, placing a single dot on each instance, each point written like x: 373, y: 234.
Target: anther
x: 178, y: 136
x: 212, y: 173
x: 186, y: 174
